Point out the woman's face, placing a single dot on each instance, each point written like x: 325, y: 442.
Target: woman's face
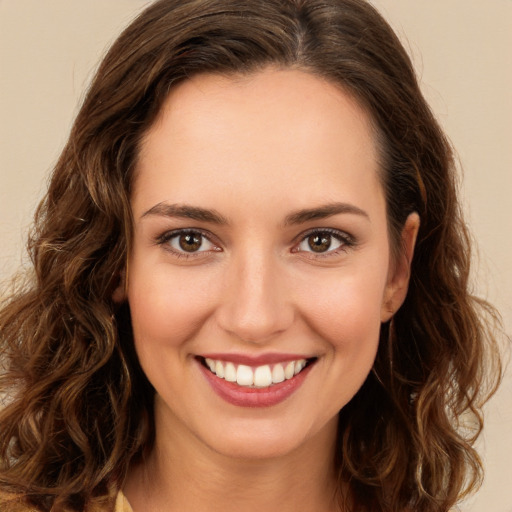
x: 260, y: 247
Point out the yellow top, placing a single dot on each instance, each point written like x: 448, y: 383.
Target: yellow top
x: 16, y: 503
x: 122, y: 504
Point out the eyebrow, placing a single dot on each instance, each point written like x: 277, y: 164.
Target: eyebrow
x: 298, y: 217
x: 322, y: 212
x: 186, y: 212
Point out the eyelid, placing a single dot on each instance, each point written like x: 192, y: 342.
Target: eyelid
x: 165, y: 237
x: 345, y: 238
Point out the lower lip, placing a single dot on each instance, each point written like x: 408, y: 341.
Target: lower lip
x: 255, y: 397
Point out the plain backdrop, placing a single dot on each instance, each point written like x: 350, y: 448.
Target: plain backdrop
x: 462, y: 52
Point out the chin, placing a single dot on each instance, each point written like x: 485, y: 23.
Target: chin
x: 267, y: 440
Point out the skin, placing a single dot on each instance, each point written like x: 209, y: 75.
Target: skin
x: 255, y: 150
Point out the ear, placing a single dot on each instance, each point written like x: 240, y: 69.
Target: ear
x: 400, y: 270
x: 119, y: 293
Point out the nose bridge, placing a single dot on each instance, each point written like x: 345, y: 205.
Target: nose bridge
x: 256, y: 303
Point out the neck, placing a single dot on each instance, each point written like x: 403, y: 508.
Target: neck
x: 181, y: 473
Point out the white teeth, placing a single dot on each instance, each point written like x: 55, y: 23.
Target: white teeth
x: 263, y: 376
x: 244, y: 375
x: 219, y: 369
x: 260, y: 376
x: 230, y: 372
x: 289, y: 371
x: 277, y: 374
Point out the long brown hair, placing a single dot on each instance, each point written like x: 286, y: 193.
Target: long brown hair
x: 77, y: 406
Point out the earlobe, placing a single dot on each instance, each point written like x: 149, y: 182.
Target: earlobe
x: 398, y: 279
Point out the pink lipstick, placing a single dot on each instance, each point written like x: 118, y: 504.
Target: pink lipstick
x: 261, y: 381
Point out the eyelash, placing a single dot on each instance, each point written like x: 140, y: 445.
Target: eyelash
x: 347, y: 241
x: 166, y: 237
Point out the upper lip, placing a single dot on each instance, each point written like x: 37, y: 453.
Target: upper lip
x: 255, y: 360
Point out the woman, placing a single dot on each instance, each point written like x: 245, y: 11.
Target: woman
x: 250, y: 279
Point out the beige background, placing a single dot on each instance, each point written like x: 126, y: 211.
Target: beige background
x: 461, y: 49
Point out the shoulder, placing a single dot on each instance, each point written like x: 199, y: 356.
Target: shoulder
x: 117, y: 503
x: 122, y: 504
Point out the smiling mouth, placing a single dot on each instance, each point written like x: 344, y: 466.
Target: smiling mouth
x: 263, y: 376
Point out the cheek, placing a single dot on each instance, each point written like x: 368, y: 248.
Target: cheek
x: 345, y: 316
x: 346, y: 309
x: 166, y: 307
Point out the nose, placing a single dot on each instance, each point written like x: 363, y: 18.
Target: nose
x: 256, y: 302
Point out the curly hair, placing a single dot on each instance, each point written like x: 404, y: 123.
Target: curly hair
x: 77, y: 406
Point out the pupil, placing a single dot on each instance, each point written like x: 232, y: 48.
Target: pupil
x: 190, y: 242
x: 320, y: 243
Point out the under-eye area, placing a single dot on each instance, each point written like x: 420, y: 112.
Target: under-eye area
x: 256, y: 376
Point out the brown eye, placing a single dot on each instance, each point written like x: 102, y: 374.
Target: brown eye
x: 190, y: 242
x: 320, y: 242
x: 324, y: 242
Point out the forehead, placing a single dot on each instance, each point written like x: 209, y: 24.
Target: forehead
x: 272, y: 129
